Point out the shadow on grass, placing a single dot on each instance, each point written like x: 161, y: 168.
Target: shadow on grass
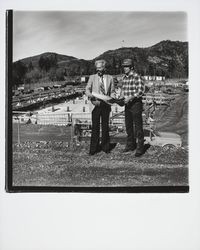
x: 146, y: 147
x: 112, y: 146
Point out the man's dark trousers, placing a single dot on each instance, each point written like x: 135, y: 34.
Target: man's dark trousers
x: 102, y: 113
x: 134, y: 125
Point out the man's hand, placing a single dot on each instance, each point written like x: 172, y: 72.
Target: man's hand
x: 111, y: 101
x: 96, y: 102
x: 90, y: 95
x: 128, y: 99
x: 120, y: 101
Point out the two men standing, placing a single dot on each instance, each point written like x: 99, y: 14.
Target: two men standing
x: 132, y: 91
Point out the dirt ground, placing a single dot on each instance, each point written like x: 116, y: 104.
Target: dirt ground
x: 53, y: 164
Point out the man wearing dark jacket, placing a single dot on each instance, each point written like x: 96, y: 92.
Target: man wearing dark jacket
x: 132, y: 90
x: 100, y: 83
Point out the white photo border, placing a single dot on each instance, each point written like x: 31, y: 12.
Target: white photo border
x: 106, y: 221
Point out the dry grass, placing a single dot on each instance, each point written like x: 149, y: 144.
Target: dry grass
x: 56, y: 165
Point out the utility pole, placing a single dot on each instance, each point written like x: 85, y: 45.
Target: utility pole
x: 18, y: 132
x: 72, y: 131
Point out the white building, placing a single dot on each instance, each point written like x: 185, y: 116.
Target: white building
x: 154, y: 78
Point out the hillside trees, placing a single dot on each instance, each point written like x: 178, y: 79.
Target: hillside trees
x: 44, y: 63
x: 60, y: 74
x: 19, y: 70
x: 166, y: 58
x: 33, y: 76
x: 47, y: 62
x: 52, y: 74
x: 30, y: 66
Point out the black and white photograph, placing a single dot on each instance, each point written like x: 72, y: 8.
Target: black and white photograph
x: 99, y: 100
x: 99, y: 125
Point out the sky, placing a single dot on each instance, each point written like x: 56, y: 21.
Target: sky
x: 86, y: 35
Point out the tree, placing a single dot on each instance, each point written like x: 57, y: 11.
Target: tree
x: 44, y: 63
x: 47, y: 64
x: 79, y: 70
x: 120, y: 67
x: 113, y: 66
x: 52, y: 74
x: 53, y: 60
x: 186, y: 68
x: 30, y: 66
x: 41, y: 62
x: 151, y: 69
x: 60, y: 75
x: 18, y: 72
x: 33, y: 76
x: 159, y: 72
x: 171, y: 68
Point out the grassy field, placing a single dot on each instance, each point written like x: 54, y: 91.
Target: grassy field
x: 53, y: 164
x: 32, y: 132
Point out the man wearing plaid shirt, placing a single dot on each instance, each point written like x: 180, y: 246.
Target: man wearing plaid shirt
x: 132, y: 90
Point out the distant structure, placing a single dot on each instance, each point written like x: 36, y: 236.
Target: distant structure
x: 84, y: 79
x: 154, y: 78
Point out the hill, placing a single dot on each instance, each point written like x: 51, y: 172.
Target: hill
x: 166, y: 58
x: 35, y: 59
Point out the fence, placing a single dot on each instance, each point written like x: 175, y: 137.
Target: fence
x: 62, y: 119
x: 80, y: 120
x: 58, y: 119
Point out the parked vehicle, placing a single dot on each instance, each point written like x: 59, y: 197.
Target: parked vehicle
x: 167, y: 140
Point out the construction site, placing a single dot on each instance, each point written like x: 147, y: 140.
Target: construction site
x: 57, y: 123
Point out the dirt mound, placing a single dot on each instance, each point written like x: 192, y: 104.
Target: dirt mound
x: 174, y: 118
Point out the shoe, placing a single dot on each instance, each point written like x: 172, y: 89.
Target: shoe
x: 107, y: 152
x: 95, y: 152
x: 92, y: 153
x: 139, y: 153
x: 112, y: 146
x: 128, y: 149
